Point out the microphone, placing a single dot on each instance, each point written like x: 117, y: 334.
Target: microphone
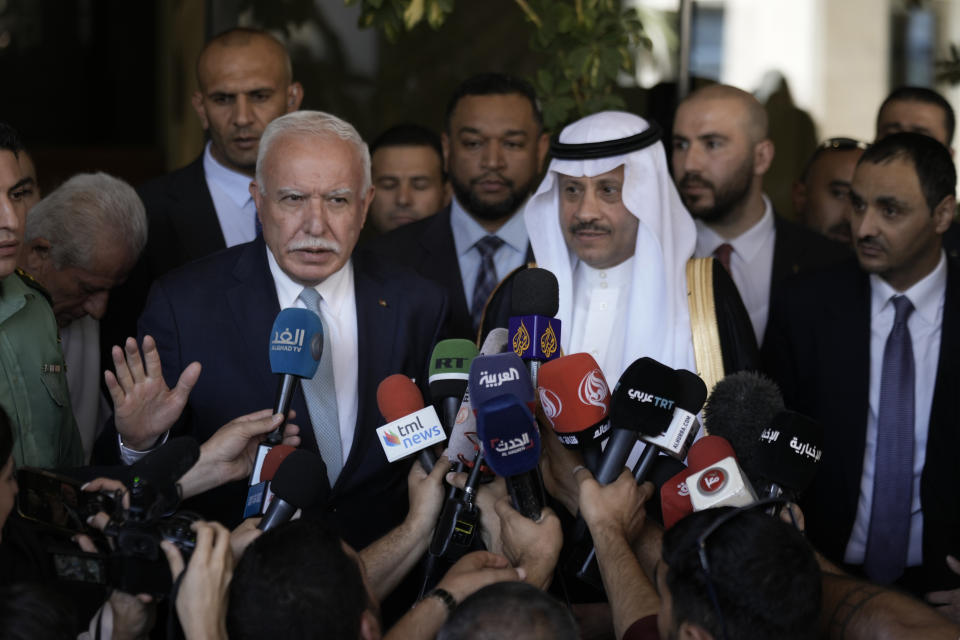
x: 296, y: 344
x: 576, y: 401
x: 449, y: 370
x: 534, y: 331
x: 788, y: 453
x: 511, y: 448
x: 643, y: 401
x: 497, y: 375
x: 300, y: 481
x: 740, y: 407
x: 674, y: 494
x: 720, y: 483
x: 157, y: 474
x: 460, y: 445
x: 683, y: 428
x: 663, y: 471
x: 271, y: 462
x: 410, y: 426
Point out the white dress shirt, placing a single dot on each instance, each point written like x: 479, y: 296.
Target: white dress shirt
x: 466, y: 233
x: 751, y: 263
x: 924, y: 323
x: 338, y: 306
x: 599, y: 304
x: 230, y: 191
x: 80, y: 341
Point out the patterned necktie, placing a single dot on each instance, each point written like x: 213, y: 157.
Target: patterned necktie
x: 888, y: 538
x: 321, y: 396
x: 486, y: 276
x: 723, y: 253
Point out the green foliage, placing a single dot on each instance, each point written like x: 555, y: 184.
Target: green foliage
x: 587, y: 44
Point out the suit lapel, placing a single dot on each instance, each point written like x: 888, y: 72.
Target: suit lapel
x: 193, y: 215
x: 440, y: 260
x: 252, y: 300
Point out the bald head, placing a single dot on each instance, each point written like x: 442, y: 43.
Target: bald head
x: 750, y: 114
x: 220, y: 47
x: 720, y: 153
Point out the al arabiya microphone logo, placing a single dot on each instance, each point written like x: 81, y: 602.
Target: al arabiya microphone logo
x: 593, y: 390
x: 550, y: 401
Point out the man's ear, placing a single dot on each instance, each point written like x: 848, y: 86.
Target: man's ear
x: 294, y: 96
x: 944, y: 213
x: 197, y: 102
x: 799, y: 196
x: 367, y: 201
x: 691, y: 631
x: 763, y: 153
x: 369, y: 627
x: 36, y: 257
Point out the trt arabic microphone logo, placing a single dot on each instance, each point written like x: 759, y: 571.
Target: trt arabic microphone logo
x: 551, y: 403
x: 593, y: 390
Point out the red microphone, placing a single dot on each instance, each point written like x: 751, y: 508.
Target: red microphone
x: 410, y: 427
x: 675, y: 501
x: 575, y: 398
x: 720, y: 482
x: 277, y: 454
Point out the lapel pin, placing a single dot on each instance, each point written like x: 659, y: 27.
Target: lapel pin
x: 382, y: 302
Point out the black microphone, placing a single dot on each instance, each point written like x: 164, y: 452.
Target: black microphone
x: 534, y: 331
x: 787, y: 456
x: 449, y: 371
x: 301, y: 481
x: 511, y: 447
x: 643, y: 401
x: 741, y: 406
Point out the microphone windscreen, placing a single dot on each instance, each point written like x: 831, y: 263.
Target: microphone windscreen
x: 707, y: 451
x: 573, y: 392
x: 644, y: 398
x: 740, y: 406
x: 535, y: 293
x: 296, y: 343
x: 450, y: 368
x: 398, y: 396
x: 692, y: 391
x: 495, y: 342
x: 272, y: 461
x: 509, y: 436
x: 301, y: 480
x: 497, y: 375
x: 165, y: 465
x: 788, y: 452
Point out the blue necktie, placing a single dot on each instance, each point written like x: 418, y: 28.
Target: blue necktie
x: 889, y: 535
x: 321, y: 396
x: 486, y: 276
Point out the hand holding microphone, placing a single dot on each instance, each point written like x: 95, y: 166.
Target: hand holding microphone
x: 410, y: 427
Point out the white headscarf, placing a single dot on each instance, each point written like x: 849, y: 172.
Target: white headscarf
x: 657, y: 316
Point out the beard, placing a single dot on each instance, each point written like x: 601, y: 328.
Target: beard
x: 491, y: 211
x: 726, y: 197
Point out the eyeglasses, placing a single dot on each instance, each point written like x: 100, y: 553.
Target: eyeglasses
x: 702, y: 549
x: 842, y: 144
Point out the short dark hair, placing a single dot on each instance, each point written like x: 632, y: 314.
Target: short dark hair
x: 929, y: 96
x: 764, y: 573
x: 30, y: 611
x: 6, y: 437
x: 492, y: 84
x: 931, y: 160
x: 296, y: 578
x: 10, y: 139
x: 408, y: 135
x: 516, y: 609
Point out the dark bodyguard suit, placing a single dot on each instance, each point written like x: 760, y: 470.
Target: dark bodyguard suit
x: 183, y: 227
x: 220, y: 310
x: 427, y: 246
x: 818, y: 350
x: 797, y: 248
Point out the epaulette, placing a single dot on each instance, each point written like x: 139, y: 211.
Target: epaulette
x: 31, y: 282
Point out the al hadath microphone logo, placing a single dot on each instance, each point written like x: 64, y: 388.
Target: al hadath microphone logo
x: 552, y: 406
x: 593, y: 390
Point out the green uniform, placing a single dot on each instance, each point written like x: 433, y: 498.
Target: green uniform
x: 33, y: 378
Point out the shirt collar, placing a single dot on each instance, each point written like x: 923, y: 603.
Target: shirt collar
x: 614, y: 276
x: 747, y: 244
x: 234, y: 184
x: 467, y: 231
x: 334, y: 289
x: 926, y: 296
